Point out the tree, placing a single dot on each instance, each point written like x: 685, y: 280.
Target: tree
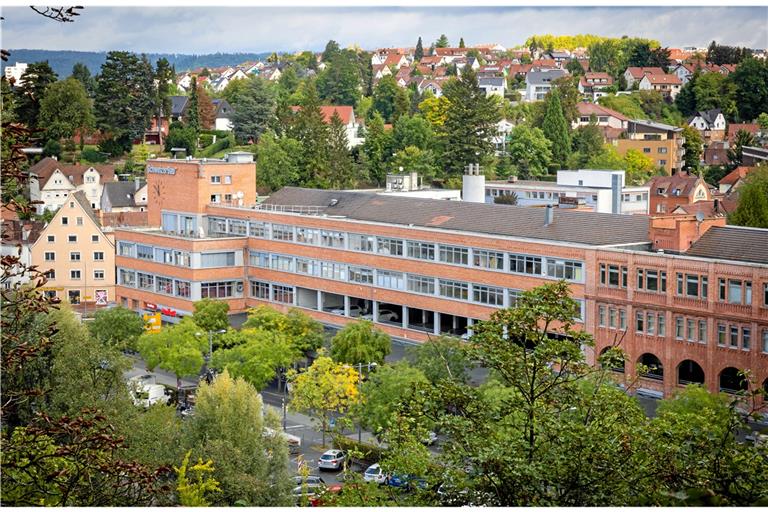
x: 206, y: 112
x: 30, y: 94
x: 574, y: 67
x: 125, y: 97
x: 607, y: 56
x: 384, y: 97
x: 471, y: 118
x: 383, y: 391
x: 165, y: 76
x: 376, y: 149
x: 608, y: 158
x: 117, y: 327
x: 441, y: 358
x: 257, y: 356
x: 660, y: 58
x: 65, y: 109
x: 402, y: 103
x: 693, y: 146
x: 735, y: 152
x: 192, y: 493
x: 722, y: 54
x: 713, y: 90
x: 304, y: 332
x: 435, y: 110
x: 413, y: 159
x: 587, y: 142
x: 310, y: 130
x: 331, y: 50
x: 752, y: 210
x: 278, y: 161
x: 639, y: 168
x: 461, y: 43
x: 640, y: 56
x: 555, y: 128
x: 341, y: 170
x: 193, y: 112
x: 568, y: 88
x: 529, y: 150
x: 442, y: 42
x: 177, y: 349
x: 360, y: 343
x: 324, y: 388
x: 253, y: 109
x: 751, y: 95
x: 180, y: 136
x: 339, y: 83
x: 685, y: 101
x: 418, y: 54
x: 211, y: 315
x: 413, y: 131
x: 228, y: 427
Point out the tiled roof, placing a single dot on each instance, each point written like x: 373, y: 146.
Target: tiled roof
x: 732, y: 243
x: 587, y: 109
x: 45, y: 168
x: 345, y: 113
x: 79, y: 196
x: 512, y: 221
x: 17, y: 231
x: 733, y: 128
x: 120, y: 193
x: 639, y: 73
x: 681, y: 181
x: 663, y: 79
x: 735, y: 175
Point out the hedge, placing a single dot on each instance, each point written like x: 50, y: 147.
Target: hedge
x: 217, y: 146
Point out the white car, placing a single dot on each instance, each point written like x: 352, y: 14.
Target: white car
x: 354, y: 310
x: 332, y: 459
x: 374, y: 473
x: 385, y: 315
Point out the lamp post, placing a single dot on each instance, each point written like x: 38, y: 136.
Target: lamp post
x: 371, y: 366
x: 209, y: 356
x: 283, y: 383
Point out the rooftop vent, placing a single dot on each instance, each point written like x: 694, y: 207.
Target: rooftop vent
x: 549, y: 215
x: 333, y: 202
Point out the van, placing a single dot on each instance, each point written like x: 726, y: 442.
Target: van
x: 145, y: 394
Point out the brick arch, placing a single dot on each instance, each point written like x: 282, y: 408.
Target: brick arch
x: 690, y: 372
x: 730, y: 381
x: 654, y: 362
x: 618, y: 369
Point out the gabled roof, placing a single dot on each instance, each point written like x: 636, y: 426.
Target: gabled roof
x: 120, y: 193
x: 734, y: 128
x: 45, y: 168
x: 735, y: 175
x: 544, y: 77
x: 179, y: 105
x: 21, y: 231
x: 677, y: 185
x: 586, y: 228
x: 663, y: 79
x: 587, y: 109
x: 79, y: 196
x: 638, y: 73
x: 709, y: 116
x: 345, y: 113
x: 491, y: 82
x: 707, y: 208
x: 222, y: 108
x: 732, y: 243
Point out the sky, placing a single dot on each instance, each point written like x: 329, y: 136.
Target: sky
x: 198, y: 29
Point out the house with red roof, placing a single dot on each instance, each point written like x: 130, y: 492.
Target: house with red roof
x: 610, y: 122
x: 681, y: 189
x: 635, y: 74
x: 594, y: 85
x: 734, y: 179
x: 347, y: 115
x: 734, y: 128
x: 396, y: 60
x: 668, y: 85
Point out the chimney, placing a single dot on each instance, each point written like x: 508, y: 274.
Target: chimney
x: 717, y: 206
x: 473, y: 185
x: 616, y: 193
x: 550, y: 215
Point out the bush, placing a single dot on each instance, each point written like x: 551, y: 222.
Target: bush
x: 220, y: 134
x: 226, y: 142
x: 205, y: 140
x: 92, y: 156
x: 52, y: 148
x: 114, y: 147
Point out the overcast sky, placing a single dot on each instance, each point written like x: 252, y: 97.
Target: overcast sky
x: 258, y: 29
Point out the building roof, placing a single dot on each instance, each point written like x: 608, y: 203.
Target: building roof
x: 638, y: 73
x: 587, y: 109
x: 514, y: 221
x: 222, y: 108
x: 491, y: 81
x: 654, y: 125
x: 734, y: 128
x: 178, y: 105
x: 735, y: 175
x: 663, y: 79
x: 709, y: 209
x: 45, y: 168
x: 79, y: 196
x: 21, y: 231
x: 345, y: 113
x: 682, y: 182
x: 732, y: 243
x: 544, y: 77
x: 120, y: 193
x: 709, y: 116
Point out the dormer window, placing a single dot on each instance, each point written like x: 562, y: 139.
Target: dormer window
x: 659, y: 190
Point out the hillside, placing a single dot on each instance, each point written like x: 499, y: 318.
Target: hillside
x: 62, y: 60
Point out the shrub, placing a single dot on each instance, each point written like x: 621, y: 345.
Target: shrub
x: 92, y: 156
x: 368, y: 453
x: 205, y: 140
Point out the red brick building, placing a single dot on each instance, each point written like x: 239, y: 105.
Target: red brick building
x: 421, y: 267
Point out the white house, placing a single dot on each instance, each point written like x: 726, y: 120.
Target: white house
x: 432, y: 86
x: 668, y: 85
x: 538, y: 83
x: 51, y: 182
x: 635, y: 74
x: 223, y: 114
x: 493, y: 86
x: 14, y: 73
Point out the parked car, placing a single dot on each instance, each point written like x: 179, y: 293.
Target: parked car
x: 354, y: 310
x: 406, y: 481
x: 332, y: 459
x: 374, y: 473
x: 307, y: 490
x: 385, y: 315
x: 310, y: 479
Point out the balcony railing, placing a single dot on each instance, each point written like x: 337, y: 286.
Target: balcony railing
x: 279, y: 208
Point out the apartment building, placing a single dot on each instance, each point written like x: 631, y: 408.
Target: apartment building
x: 52, y: 182
x: 660, y: 142
x: 421, y: 267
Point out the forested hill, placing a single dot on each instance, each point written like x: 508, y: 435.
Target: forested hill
x: 62, y: 61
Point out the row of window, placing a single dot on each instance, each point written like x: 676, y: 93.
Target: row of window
x: 74, y: 256
x: 75, y: 275
x: 387, y: 246
x: 153, y: 283
x: 156, y: 254
x: 733, y: 336
x: 72, y: 238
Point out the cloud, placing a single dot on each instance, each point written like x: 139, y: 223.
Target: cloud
x: 257, y: 29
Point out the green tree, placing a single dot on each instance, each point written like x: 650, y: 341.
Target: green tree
x: 555, y: 128
x: 713, y: 90
x: 278, y: 161
x: 341, y: 168
x: 587, y: 142
x: 176, y: 349
x: 165, y: 77
x: 640, y: 56
x: 339, y: 83
x: 402, y: 104
x: 29, y: 95
x: 752, y: 210
x: 360, y: 343
x: 228, y: 427
x: 211, y: 315
x: 180, y: 136
x: 304, y: 332
x: 639, y: 168
x: 288, y: 81
x: 751, y: 80
x: 192, y: 493
x: 736, y: 151
x: 257, y: 356
x: 193, y: 112
x: 65, y: 109
x: 574, y: 67
x: 125, y: 97
x: 413, y: 131
x: 441, y: 358
x: 418, y: 54
x: 310, y: 130
x: 762, y: 121
x: 568, y: 88
x: 253, y: 109
x: 383, y: 391
x: 384, y: 97
x: 694, y: 146
x: 442, y: 42
x: 607, y: 56
x: 608, y: 158
x: 685, y: 101
x: 331, y: 50
x: 529, y: 150
x: 470, y: 119
x: 82, y: 74
x: 376, y: 149
x: 117, y: 327
x: 324, y: 388
x: 413, y: 159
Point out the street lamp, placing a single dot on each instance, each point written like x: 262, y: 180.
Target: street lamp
x: 209, y: 356
x: 371, y: 367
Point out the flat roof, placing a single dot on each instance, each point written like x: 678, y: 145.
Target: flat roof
x: 587, y: 228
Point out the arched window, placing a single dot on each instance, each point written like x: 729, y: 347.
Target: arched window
x: 656, y: 369
x: 731, y: 381
x: 616, y: 367
x: 689, y: 372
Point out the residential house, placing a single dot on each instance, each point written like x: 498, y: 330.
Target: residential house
x: 13, y: 73
x: 560, y: 57
x: 678, y: 55
x: 542, y: 64
x: 681, y: 189
x: 52, y: 181
x: 610, y: 122
x: 223, y: 111
x: 710, y: 123
x: 668, y: 85
x: 77, y: 255
x: 431, y: 85
x: 685, y: 70
x: 18, y: 237
x: 396, y: 61
x: 754, y: 155
x: 503, y: 130
x: 492, y: 71
x: 734, y: 179
x: 221, y: 83
x: 538, y: 83
x: 124, y: 196
x: 272, y: 73
x: 635, y: 74
x: 379, y: 71
x: 594, y: 85
x: 716, y: 153
x: 347, y: 115
x: 403, y: 76
x: 495, y: 86
x: 661, y: 142
x: 727, y: 69
x: 734, y: 128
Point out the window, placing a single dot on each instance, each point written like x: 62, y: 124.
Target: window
x: 98, y: 256
x: 146, y: 281
x: 145, y: 252
x: 51, y: 238
x: 734, y: 338
x: 661, y: 324
x: 330, y: 270
x: 650, y: 323
x: 216, y: 179
x: 662, y: 162
x: 307, y: 236
x: 622, y: 319
x: 765, y: 294
x: 257, y: 229
x: 735, y: 291
x: 50, y: 256
x: 662, y: 151
x: 64, y: 221
x: 305, y: 266
x: 227, y: 180
x: 721, y: 333
x: 639, y: 321
x: 652, y: 280
x: 746, y: 338
x: 181, y: 288
x: 126, y: 277
x: 453, y: 289
x: 79, y: 221
x: 217, y: 259
x: 488, y: 259
x: 613, y: 275
x: 332, y: 239
x: 612, y: 318
x: 283, y: 294
x: 421, y: 284
x: 219, y: 289
x: 164, y: 285
x: 765, y: 341
x: 259, y: 259
x: 74, y: 256
x: 525, y: 264
x: 391, y: 280
x: 74, y: 274
x: 646, y: 150
x: 282, y: 232
x: 181, y: 259
x: 514, y: 296
x: 50, y: 275
x: 454, y: 255
x: 227, y: 198
x: 260, y: 290
x: 490, y: 295
x: 703, y: 331
x: 237, y: 227
x: 95, y: 239
x: 679, y: 325
x: 360, y: 275
x: 284, y: 263
x: 690, y: 329
x: 126, y: 249
x: 390, y: 246
x: 692, y: 285
x: 570, y: 270
x: 72, y: 239
x: 361, y: 242
x: 601, y: 316
x: 421, y: 250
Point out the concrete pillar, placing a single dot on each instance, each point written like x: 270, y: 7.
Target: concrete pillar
x: 346, y: 305
x: 319, y: 300
x: 375, y: 308
x: 405, y: 317
x: 436, y: 327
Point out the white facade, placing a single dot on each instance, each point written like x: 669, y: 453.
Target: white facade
x: 15, y: 72
x: 58, y: 187
x: 701, y: 124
